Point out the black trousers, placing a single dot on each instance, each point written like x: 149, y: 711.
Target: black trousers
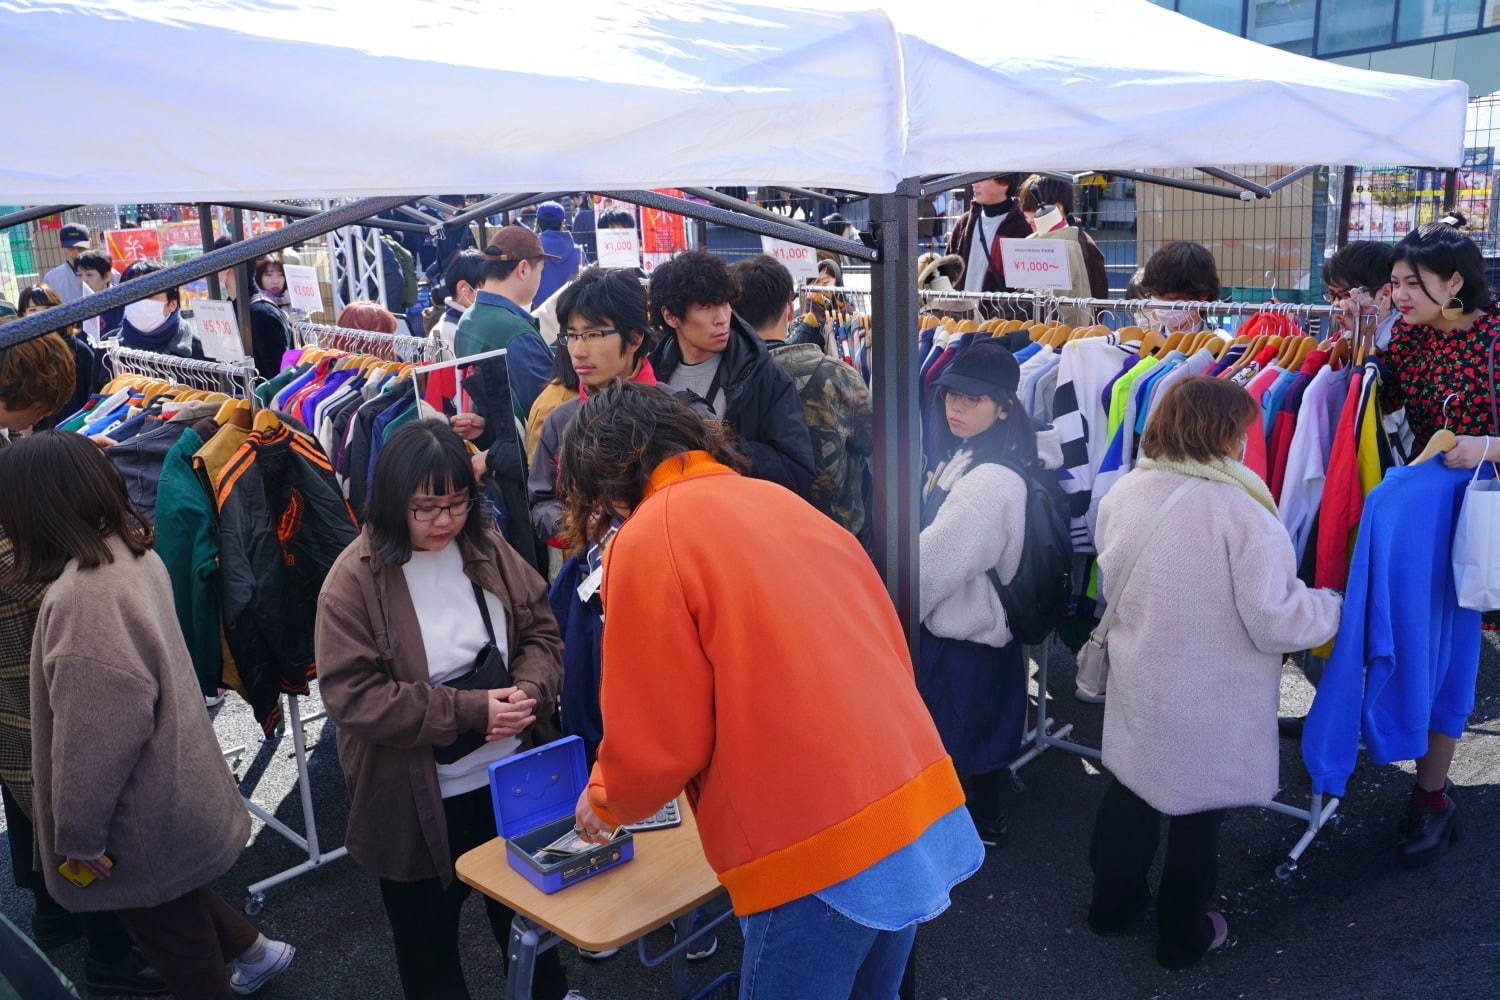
x: 425, y: 917
x: 1124, y: 845
x: 109, y: 941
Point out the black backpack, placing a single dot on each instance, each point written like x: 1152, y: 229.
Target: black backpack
x: 1036, y: 599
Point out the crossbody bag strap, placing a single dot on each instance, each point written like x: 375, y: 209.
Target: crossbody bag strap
x: 1112, y: 603
x: 484, y: 611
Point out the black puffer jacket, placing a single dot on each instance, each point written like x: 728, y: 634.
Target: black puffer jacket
x: 282, y: 523
x: 760, y: 404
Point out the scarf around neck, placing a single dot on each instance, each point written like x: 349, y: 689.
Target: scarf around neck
x: 162, y: 338
x: 1220, y: 470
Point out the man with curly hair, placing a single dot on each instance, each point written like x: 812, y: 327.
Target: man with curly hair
x: 713, y: 359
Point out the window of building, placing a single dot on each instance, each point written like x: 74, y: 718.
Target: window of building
x: 1355, y: 24
x: 1492, y: 14
x: 1286, y: 24
x: 1222, y: 14
x: 1420, y: 19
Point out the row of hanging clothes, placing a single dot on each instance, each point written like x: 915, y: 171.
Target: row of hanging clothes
x: 351, y: 389
x: 838, y: 320
x: 250, y: 515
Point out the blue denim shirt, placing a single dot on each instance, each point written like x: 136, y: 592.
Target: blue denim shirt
x: 912, y: 885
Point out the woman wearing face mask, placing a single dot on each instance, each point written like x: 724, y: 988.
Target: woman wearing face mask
x: 1441, y: 365
x: 1179, y: 272
x: 1201, y: 619
x: 437, y: 655
x: 971, y: 671
x: 270, y: 329
x: 155, y: 323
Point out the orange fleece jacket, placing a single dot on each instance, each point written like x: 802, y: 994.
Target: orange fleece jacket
x: 752, y: 656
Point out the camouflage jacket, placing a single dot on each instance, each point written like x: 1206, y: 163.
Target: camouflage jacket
x: 836, y: 406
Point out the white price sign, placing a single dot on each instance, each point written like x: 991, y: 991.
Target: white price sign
x: 618, y: 248
x: 302, y: 284
x: 801, y: 261
x: 218, y: 329
x: 1036, y: 263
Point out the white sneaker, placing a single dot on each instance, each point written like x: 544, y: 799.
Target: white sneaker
x: 1084, y: 696
x: 215, y: 700
x: 575, y: 995
x: 247, y: 977
x: 597, y: 956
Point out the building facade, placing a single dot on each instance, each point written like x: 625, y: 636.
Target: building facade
x: 1440, y: 39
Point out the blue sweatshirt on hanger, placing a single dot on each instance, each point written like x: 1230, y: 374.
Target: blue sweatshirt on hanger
x: 1407, y: 656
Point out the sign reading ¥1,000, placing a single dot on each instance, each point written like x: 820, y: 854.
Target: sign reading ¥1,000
x: 1036, y: 263
x: 218, y: 329
x: 800, y: 260
x: 619, y: 248
x: 302, y: 285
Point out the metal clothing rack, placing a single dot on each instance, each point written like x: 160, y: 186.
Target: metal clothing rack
x: 233, y: 378
x: 1041, y: 736
x: 238, y: 378
x: 388, y: 346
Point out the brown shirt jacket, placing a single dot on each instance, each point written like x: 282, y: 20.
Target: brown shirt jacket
x: 372, y: 672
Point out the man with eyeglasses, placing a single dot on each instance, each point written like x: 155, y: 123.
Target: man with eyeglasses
x: 1358, y: 279
x: 603, y: 328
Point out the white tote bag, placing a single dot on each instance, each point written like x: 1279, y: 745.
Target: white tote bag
x: 1476, y: 545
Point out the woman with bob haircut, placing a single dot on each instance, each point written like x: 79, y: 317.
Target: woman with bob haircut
x: 1204, y: 618
x: 437, y: 655
x: 134, y: 810
x: 1441, y: 364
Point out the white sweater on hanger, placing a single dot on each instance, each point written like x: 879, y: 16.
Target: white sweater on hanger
x: 982, y: 524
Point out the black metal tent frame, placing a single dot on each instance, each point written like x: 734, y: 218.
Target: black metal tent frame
x: 890, y: 246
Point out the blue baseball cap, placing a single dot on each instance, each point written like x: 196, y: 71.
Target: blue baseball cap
x: 550, y: 212
x: 73, y: 235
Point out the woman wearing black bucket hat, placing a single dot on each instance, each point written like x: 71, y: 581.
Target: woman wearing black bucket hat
x: 971, y: 671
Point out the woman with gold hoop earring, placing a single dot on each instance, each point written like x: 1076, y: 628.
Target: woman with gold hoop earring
x: 1441, y: 364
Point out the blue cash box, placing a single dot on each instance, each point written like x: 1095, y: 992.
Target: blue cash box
x: 535, y: 795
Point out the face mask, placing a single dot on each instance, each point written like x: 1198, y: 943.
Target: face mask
x: 1171, y: 319
x: 145, y: 315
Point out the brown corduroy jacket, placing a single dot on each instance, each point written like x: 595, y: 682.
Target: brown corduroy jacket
x: 373, y: 675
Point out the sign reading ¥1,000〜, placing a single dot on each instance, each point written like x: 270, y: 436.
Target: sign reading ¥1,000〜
x: 1036, y: 263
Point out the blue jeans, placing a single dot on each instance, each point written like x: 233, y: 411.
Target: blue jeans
x: 806, y: 950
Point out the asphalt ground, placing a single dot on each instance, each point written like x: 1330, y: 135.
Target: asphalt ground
x: 1348, y: 924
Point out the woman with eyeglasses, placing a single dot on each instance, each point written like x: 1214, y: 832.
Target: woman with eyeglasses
x: 437, y: 655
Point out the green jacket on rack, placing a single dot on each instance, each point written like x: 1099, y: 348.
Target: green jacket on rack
x: 191, y: 553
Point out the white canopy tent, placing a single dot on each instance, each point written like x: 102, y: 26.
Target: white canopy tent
x: 171, y: 100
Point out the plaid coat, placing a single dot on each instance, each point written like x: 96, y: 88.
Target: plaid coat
x: 18, y: 611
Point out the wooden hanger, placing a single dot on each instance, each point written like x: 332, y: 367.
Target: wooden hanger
x: 236, y: 411
x: 1443, y: 440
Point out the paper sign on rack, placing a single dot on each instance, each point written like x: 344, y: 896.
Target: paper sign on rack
x: 800, y: 260
x: 218, y: 329
x: 302, y: 285
x: 1036, y: 263
x: 619, y: 248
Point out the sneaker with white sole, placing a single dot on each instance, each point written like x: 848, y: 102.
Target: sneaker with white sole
x: 575, y: 995
x: 247, y: 977
x: 597, y: 956
x: 1086, y: 698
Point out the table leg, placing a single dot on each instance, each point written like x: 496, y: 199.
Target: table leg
x: 524, y: 947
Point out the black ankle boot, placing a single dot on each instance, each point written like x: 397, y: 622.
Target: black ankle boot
x: 1428, y: 834
x: 1414, y: 813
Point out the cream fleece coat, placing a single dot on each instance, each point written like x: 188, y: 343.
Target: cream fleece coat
x: 1195, y: 656
x: 981, y: 524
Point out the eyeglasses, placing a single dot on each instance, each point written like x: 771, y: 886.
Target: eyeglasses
x: 454, y: 510
x: 962, y: 401
x: 589, y: 337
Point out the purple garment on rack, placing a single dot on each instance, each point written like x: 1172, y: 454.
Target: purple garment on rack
x: 330, y: 386
x: 1107, y: 396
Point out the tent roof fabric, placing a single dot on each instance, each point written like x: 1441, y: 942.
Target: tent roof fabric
x: 173, y: 100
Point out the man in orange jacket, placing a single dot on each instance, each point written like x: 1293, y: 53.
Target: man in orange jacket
x: 823, y: 796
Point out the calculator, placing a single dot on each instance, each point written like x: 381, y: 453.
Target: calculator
x: 666, y: 817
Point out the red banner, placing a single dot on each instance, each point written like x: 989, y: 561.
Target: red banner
x: 126, y: 246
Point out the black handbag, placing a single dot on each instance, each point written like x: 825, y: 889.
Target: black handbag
x: 489, y: 672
